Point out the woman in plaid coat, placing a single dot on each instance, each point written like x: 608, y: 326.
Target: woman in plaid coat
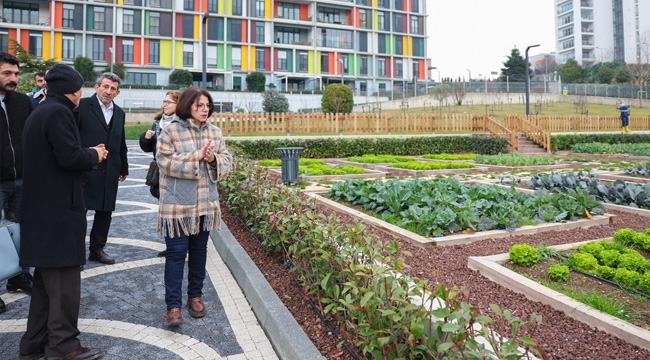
x: 192, y: 157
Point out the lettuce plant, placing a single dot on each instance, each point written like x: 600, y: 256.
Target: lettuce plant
x: 559, y: 272
x: 523, y: 254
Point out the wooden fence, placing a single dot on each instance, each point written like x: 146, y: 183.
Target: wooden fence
x: 336, y: 124
x: 587, y: 123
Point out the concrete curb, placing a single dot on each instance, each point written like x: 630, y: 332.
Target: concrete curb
x: 287, y: 337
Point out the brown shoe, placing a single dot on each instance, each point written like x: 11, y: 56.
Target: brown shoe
x: 32, y: 356
x: 81, y: 353
x: 197, y: 309
x: 174, y: 317
x: 101, y: 257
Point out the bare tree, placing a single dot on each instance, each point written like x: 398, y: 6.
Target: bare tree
x: 640, y: 71
x: 249, y: 100
x: 458, y: 92
x: 441, y: 93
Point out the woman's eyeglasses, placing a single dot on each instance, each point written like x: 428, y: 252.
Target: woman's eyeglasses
x: 167, y: 102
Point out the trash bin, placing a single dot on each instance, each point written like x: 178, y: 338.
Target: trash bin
x: 289, y: 157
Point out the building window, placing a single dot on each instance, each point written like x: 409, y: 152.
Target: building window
x: 68, y: 16
x: 67, y: 52
x: 212, y: 56
x: 381, y: 43
x: 154, y: 51
x: 363, y: 41
x: 259, y: 8
x: 399, y: 68
x: 383, y: 4
x: 127, y: 51
x: 381, y: 67
x: 128, y: 21
x: 303, y: 61
x: 286, y: 35
x: 213, y: 6
x: 4, y: 41
x: 141, y: 78
x: 416, y: 70
x: 399, y: 45
x: 415, y: 6
x: 289, y: 11
x: 399, y: 4
x: 154, y: 3
x: 341, y: 39
x: 382, y: 23
x: 20, y: 13
x: 259, y: 59
x: 237, y: 7
x: 329, y: 15
x: 282, y: 60
x: 259, y: 32
x: 363, y: 18
x: 36, y: 45
x: 188, y: 5
x: 236, y: 83
x: 236, y: 57
x: 98, y: 48
x: 415, y: 25
x: 399, y: 23
x: 188, y: 54
x: 363, y: 65
x: 324, y: 63
x: 154, y: 23
x: 99, y: 18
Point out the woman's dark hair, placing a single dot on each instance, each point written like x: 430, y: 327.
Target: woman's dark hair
x: 174, y: 94
x: 188, y: 98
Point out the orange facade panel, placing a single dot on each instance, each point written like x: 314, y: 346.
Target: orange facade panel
x: 422, y: 70
x: 137, y: 52
x: 58, y: 10
x: 146, y: 52
x: 13, y: 34
x: 24, y: 39
x: 304, y: 12
x: 244, y: 35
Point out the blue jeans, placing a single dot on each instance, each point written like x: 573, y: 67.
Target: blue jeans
x: 177, y: 248
x: 11, y: 192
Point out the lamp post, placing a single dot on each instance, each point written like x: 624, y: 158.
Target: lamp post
x: 436, y: 69
x: 204, y: 48
x: 527, y: 74
x: 341, y: 61
x: 470, y: 78
x: 112, y: 51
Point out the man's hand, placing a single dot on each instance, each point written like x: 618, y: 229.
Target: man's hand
x: 123, y: 177
x: 102, y: 153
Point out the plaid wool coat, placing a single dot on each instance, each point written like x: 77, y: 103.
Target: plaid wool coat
x: 188, y: 185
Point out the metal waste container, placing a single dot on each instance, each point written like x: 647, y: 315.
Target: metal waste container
x: 289, y: 157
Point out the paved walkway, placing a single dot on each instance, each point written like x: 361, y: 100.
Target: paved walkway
x: 123, y: 306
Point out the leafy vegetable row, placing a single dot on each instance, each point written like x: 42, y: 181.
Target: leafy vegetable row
x: 639, y: 149
x: 441, y: 206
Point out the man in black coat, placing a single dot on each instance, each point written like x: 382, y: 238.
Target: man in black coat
x: 53, y: 219
x: 101, y: 121
x: 14, y: 110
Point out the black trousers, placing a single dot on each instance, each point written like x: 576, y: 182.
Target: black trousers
x: 53, y: 312
x: 99, y: 231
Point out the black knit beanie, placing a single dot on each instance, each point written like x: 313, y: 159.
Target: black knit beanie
x: 63, y: 79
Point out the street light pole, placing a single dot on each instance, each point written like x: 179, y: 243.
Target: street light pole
x: 436, y: 69
x: 341, y: 61
x: 470, y: 78
x: 112, y: 50
x: 527, y: 74
x: 204, y: 47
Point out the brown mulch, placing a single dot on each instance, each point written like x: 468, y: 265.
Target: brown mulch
x: 560, y: 336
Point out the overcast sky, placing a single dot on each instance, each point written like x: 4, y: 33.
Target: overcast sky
x: 479, y: 34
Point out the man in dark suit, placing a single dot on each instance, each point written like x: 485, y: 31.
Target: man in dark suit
x: 101, y: 121
x: 53, y: 220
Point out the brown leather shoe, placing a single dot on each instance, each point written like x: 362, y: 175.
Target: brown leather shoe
x: 174, y: 317
x: 81, y: 353
x: 101, y: 257
x: 197, y: 309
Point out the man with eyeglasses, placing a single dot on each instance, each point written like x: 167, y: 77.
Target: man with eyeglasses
x: 101, y: 121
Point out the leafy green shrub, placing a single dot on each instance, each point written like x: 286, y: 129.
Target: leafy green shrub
x: 602, y: 148
x: 632, y: 261
x: 449, y: 156
x: 644, y: 283
x: 641, y: 240
x: 606, y: 272
x: 592, y: 248
x: 431, y: 165
x: 523, y: 254
x: 624, y: 236
x: 380, y: 159
x: 609, y: 258
x: 559, y: 272
x: 583, y: 261
x: 337, y: 98
x: 627, y: 277
x: 612, y: 245
x: 514, y: 159
x: 564, y: 142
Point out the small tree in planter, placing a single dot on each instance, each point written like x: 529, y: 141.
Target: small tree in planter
x: 256, y: 82
x: 180, y: 77
x: 337, y: 98
x: 274, y: 102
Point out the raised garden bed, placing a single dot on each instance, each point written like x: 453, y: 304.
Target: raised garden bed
x: 492, y: 267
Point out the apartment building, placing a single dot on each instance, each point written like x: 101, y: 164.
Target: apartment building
x: 592, y: 31
x: 370, y: 45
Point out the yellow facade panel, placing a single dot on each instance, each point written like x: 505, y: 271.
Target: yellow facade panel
x: 58, y: 46
x: 47, y: 45
x: 179, y: 54
x: 244, y: 57
x: 166, y: 53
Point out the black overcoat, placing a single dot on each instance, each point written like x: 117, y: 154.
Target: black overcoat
x: 53, y: 213
x: 100, y: 184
